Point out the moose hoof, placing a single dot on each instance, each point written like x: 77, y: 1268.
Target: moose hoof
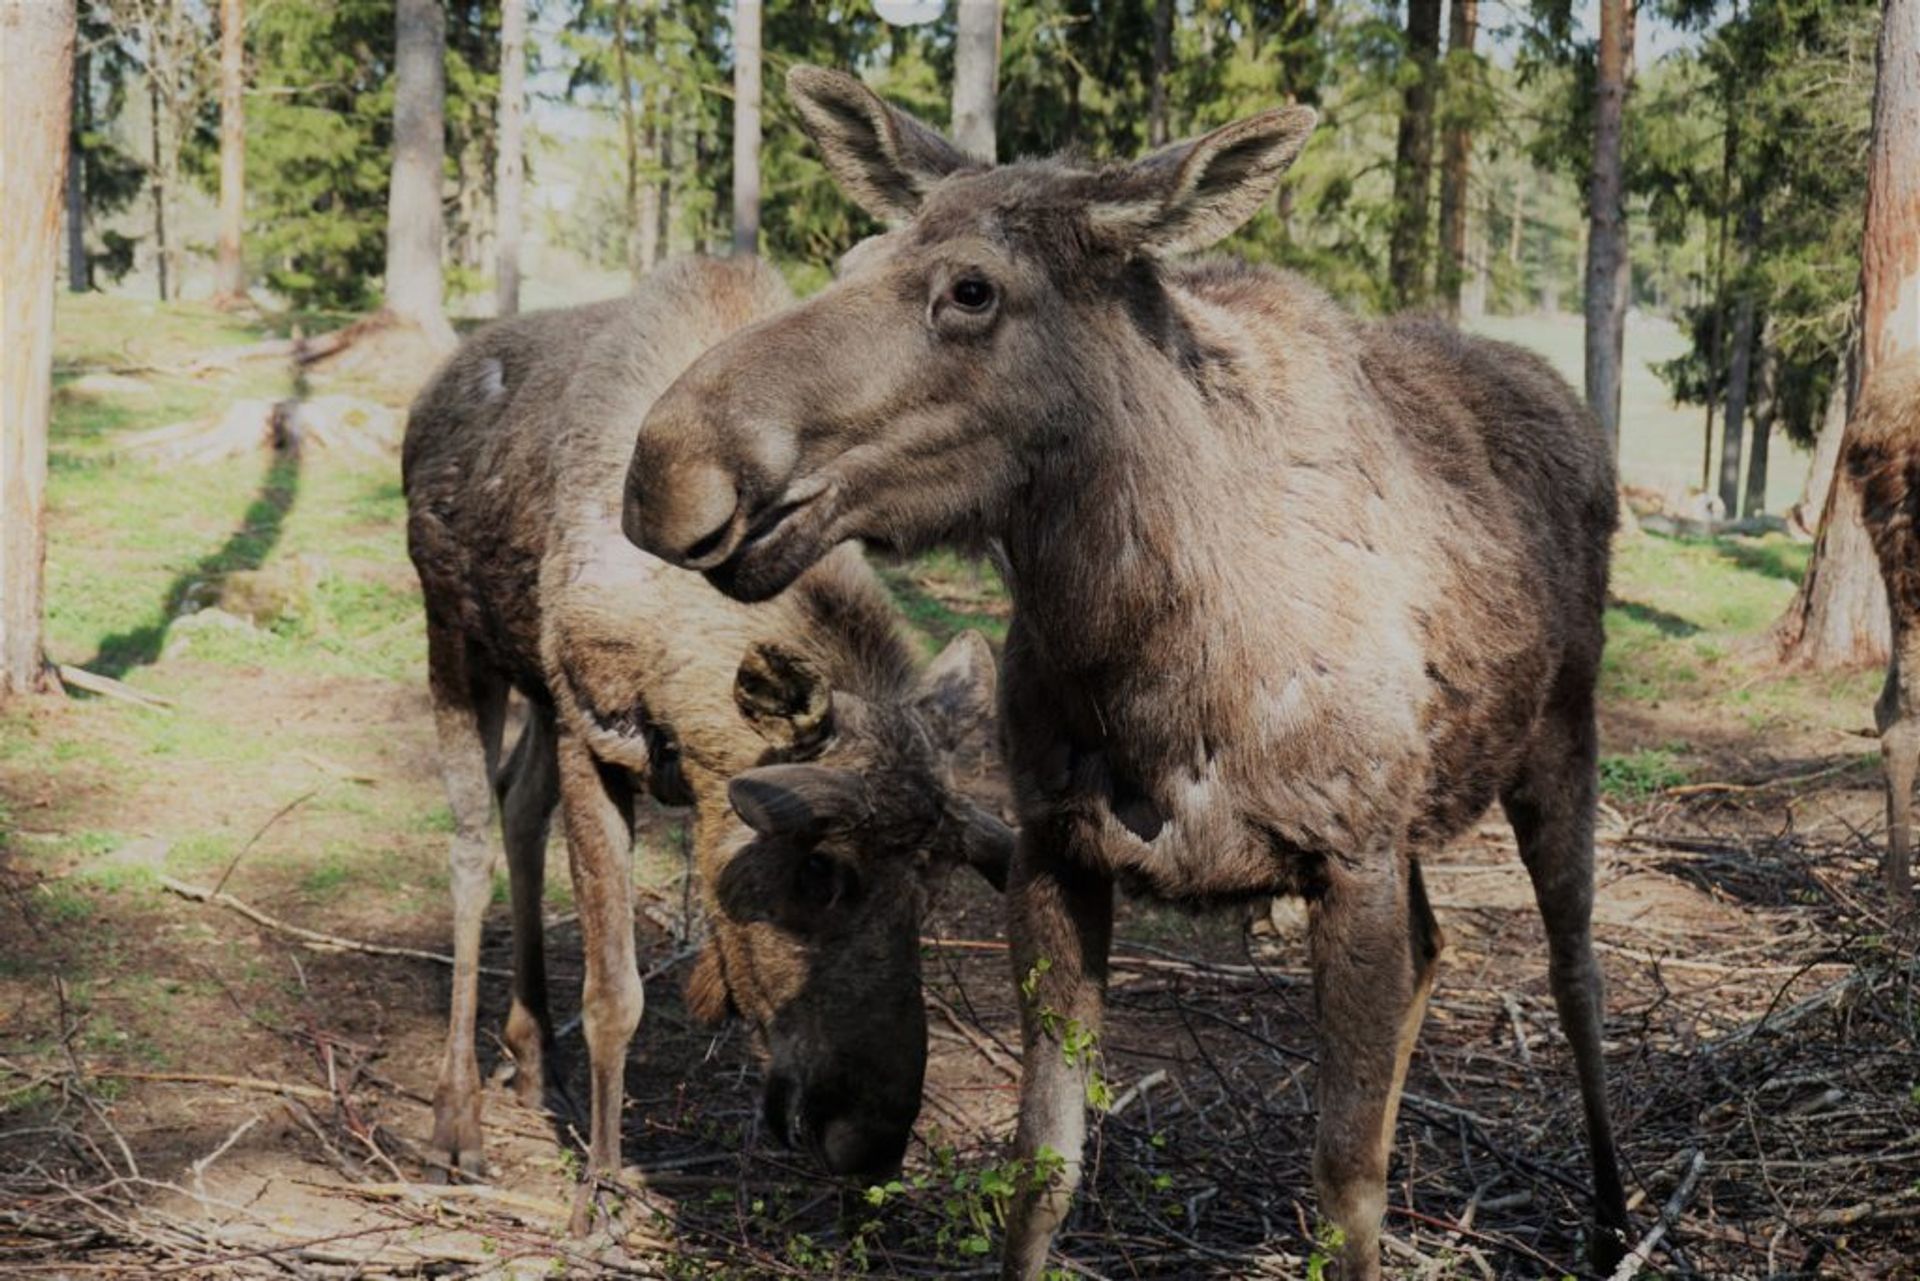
x: 596, y: 1216
x: 458, y: 1150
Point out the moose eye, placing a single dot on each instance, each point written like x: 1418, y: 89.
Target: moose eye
x: 970, y: 293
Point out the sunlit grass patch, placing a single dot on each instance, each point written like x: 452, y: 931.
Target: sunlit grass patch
x: 1638, y: 775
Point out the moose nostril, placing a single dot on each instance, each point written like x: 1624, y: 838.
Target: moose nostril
x: 704, y: 547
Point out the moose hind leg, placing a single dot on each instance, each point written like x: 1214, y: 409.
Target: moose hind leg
x: 596, y: 801
x: 469, y: 709
x: 1551, y: 808
x: 1375, y: 948
x: 529, y: 789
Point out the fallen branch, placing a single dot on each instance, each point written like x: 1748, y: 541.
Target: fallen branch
x: 1639, y: 1256
x: 315, y: 939
x: 107, y: 687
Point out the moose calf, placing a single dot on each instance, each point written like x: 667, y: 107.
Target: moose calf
x: 834, y: 752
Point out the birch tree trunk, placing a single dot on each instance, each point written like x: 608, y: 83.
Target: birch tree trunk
x: 415, y: 222
x: 1607, y: 268
x: 746, y: 126
x: 230, y: 272
x: 36, y: 85
x: 1840, y: 615
x: 510, y: 174
x: 976, y: 76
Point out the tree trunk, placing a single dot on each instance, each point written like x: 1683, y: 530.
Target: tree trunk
x: 1607, y: 268
x: 79, y: 271
x: 157, y: 184
x: 976, y: 76
x: 230, y: 272
x: 746, y: 126
x: 663, y: 189
x: 1473, y: 298
x: 1463, y: 21
x: 510, y: 178
x: 1517, y: 223
x: 1764, y: 402
x: 1407, y: 250
x: 1804, y: 517
x: 1840, y: 615
x: 1158, y: 125
x: 1733, y: 428
x: 1730, y: 145
x: 35, y: 122
x: 629, y: 132
x: 415, y: 228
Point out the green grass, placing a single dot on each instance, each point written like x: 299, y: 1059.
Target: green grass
x: 1635, y: 776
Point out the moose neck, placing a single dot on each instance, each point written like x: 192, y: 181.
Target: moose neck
x: 1122, y: 534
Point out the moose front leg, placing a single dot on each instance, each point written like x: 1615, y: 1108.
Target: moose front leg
x: 596, y: 800
x: 1375, y: 947
x: 1060, y: 924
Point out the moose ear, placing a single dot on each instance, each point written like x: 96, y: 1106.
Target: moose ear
x: 708, y: 1000
x: 1192, y: 194
x: 884, y: 159
x: 786, y: 699
x: 802, y: 802
x: 955, y: 696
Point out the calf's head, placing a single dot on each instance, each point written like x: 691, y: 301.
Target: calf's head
x: 906, y: 403
x: 845, y: 834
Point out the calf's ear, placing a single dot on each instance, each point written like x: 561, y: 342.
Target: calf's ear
x: 786, y: 700
x: 956, y: 696
x: 1192, y: 194
x: 884, y: 159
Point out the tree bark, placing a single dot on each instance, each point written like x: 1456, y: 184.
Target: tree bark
x: 746, y: 126
x: 1734, y: 427
x: 157, y: 184
x: 1730, y: 145
x: 1804, y: 517
x: 1407, y: 250
x: 35, y: 125
x: 230, y: 272
x: 415, y: 221
x: 79, y: 270
x: 1158, y: 125
x: 629, y: 132
x: 976, y: 76
x: 510, y: 177
x: 1755, y: 502
x: 663, y: 189
x: 1840, y: 615
x: 1607, y: 268
x: 1456, y: 157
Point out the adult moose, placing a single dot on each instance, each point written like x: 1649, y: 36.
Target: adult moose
x: 1295, y: 597
x: 833, y: 751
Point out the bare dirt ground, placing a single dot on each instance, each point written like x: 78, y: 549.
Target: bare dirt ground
x: 233, y: 1101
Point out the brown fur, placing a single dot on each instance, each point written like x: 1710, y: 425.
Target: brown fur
x: 1883, y: 460
x: 1296, y: 597
x: 513, y: 464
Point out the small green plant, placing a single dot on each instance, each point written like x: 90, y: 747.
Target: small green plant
x: 1328, y: 1242
x: 1638, y: 775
